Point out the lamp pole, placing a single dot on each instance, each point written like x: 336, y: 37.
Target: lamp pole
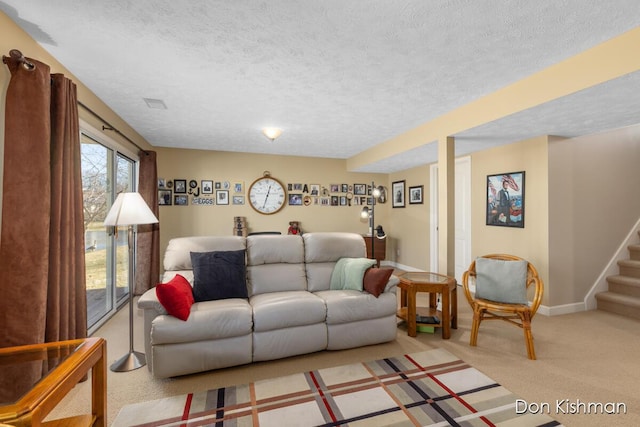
x: 372, y: 219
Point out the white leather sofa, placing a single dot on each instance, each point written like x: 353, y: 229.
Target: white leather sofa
x: 290, y: 310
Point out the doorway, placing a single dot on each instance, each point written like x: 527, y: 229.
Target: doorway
x: 462, y: 215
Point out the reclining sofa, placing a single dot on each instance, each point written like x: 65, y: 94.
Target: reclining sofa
x: 290, y: 310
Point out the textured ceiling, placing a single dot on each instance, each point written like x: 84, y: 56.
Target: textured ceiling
x: 337, y: 76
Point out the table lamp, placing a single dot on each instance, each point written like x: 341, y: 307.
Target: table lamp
x: 130, y: 209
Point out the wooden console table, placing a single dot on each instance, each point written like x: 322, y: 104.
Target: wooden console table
x: 35, y: 378
x: 413, y: 282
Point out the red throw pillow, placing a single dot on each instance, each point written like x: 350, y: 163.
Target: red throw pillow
x: 176, y: 296
x: 375, y: 280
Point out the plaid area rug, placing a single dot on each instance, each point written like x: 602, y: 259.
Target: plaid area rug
x: 431, y: 388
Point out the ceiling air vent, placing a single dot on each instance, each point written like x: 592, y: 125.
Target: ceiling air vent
x: 158, y: 104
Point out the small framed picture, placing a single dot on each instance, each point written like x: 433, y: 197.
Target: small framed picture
x: 295, y: 199
x: 164, y: 197
x: 360, y: 189
x: 180, y: 200
x: 238, y: 200
x: 237, y: 187
x: 207, y: 187
x: 334, y: 188
x: 180, y: 186
x: 222, y: 197
x: 315, y: 189
x: 505, y: 199
x: 344, y: 188
x: 162, y: 183
x: 415, y: 195
x: 397, y: 192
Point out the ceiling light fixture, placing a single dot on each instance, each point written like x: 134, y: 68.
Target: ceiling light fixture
x: 272, y: 133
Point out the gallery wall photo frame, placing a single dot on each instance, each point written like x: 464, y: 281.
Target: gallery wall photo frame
x: 505, y: 199
x: 164, y: 197
x: 222, y: 197
x: 398, y: 194
x: 180, y: 186
x: 416, y: 195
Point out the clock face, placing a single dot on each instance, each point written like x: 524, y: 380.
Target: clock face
x: 267, y: 195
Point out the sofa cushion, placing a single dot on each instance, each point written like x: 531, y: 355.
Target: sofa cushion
x: 176, y: 296
x: 219, y: 275
x: 349, y: 273
x: 501, y: 281
x: 350, y: 306
x: 209, y: 320
x: 279, y: 310
x: 321, y: 252
x: 275, y: 264
x: 177, y: 255
x: 375, y: 280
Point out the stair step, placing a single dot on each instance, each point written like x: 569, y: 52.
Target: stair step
x: 629, y: 267
x: 625, y: 285
x: 634, y: 252
x: 624, y: 305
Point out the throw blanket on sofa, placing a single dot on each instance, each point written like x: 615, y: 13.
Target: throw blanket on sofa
x: 349, y: 273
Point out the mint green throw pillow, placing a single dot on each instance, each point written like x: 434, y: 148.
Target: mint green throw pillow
x: 501, y: 281
x: 349, y: 273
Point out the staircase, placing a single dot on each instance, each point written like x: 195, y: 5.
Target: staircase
x: 623, y: 296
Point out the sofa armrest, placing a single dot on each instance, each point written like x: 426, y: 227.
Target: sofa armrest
x: 149, y: 301
x: 392, y: 284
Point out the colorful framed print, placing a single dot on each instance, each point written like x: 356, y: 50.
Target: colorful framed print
x: 505, y: 199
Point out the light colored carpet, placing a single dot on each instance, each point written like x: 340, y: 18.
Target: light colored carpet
x: 589, y: 356
x: 430, y: 388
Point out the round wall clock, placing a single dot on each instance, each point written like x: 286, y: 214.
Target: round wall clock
x: 267, y: 195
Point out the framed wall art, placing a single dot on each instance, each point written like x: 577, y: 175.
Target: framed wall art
x: 207, y: 186
x: 164, y: 197
x: 180, y: 200
x: 415, y: 195
x: 505, y: 199
x: 397, y: 194
x: 180, y: 186
x: 360, y: 189
x: 222, y: 197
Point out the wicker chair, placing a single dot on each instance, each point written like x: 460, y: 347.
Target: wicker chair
x: 516, y: 314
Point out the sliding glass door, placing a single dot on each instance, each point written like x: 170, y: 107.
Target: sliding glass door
x: 105, y: 173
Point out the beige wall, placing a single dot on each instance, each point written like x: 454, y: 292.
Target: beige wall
x: 530, y: 242
x: 594, y: 204
x: 409, y: 226
x: 191, y: 220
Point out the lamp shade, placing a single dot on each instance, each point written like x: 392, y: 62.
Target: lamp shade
x: 130, y: 209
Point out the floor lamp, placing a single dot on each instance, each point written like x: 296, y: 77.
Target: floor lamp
x: 376, y: 192
x: 130, y: 209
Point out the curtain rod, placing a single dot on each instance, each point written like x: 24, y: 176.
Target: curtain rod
x: 109, y: 126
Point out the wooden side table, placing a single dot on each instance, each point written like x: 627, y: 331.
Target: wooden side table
x: 413, y: 282
x: 43, y: 374
x: 379, y: 248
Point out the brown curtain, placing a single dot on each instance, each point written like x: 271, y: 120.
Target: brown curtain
x: 67, y: 300
x: 148, y: 249
x: 42, y: 284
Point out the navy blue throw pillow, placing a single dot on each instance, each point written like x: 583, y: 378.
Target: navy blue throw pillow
x: 218, y: 275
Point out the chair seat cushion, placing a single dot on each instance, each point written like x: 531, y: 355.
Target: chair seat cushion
x: 501, y: 281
